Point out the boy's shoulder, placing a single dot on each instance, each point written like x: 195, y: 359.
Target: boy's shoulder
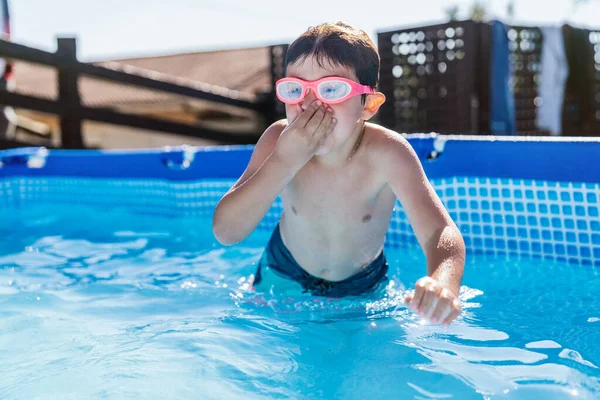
x: 391, y: 152
x: 380, y: 134
x: 382, y: 141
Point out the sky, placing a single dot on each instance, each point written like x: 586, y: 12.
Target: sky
x: 112, y: 29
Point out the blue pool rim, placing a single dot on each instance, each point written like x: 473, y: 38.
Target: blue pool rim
x: 557, y: 159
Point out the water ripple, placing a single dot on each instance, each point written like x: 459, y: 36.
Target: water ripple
x: 155, y: 308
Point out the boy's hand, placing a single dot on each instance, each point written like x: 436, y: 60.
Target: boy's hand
x: 300, y: 140
x: 434, y: 301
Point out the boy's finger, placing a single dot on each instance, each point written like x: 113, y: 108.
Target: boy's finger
x: 307, y: 114
x: 442, y: 310
x: 299, y: 112
x: 331, y: 126
x: 313, y: 124
x: 429, y: 303
x: 328, y: 130
x: 429, y: 299
x: 324, y: 138
x: 417, y: 297
x: 322, y: 128
x: 455, y: 307
x: 450, y: 318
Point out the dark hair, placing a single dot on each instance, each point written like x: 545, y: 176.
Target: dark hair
x: 338, y: 44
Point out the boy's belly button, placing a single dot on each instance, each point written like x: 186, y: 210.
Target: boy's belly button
x: 366, y: 218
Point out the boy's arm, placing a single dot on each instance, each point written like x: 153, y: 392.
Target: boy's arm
x: 243, y: 206
x: 436, y: 296
x: 280, y: 152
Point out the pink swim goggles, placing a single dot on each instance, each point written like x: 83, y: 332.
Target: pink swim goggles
x: 330, y: 90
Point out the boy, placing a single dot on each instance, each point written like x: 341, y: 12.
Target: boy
x: 339, y: 178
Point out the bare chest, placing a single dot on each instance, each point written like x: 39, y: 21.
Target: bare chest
x: 351, y: 196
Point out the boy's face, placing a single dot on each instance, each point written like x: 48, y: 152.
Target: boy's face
x: 347, y: 113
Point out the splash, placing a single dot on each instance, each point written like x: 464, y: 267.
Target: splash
x: 386, y: 302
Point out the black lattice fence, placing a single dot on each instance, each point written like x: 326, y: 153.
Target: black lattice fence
x: 429, y: 78
x: 525, y: 45
x: 437, y: 78
x: 581, y: 110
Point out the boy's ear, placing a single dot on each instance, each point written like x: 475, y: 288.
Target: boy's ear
x: 372, y: 104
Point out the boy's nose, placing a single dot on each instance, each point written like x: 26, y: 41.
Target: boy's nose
x: 308, y: 100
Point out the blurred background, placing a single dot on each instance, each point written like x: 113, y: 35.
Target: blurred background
x: 148, y: 73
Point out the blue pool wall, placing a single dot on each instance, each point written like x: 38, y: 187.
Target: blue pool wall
x: 517, y: 196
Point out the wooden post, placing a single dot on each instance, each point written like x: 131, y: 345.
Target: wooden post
x: 274, y: 109
x: 68, y: 97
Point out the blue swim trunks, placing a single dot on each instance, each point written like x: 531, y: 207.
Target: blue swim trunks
x: 278, y: 259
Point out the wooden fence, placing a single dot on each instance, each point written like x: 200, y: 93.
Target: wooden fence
x: 72, y: 112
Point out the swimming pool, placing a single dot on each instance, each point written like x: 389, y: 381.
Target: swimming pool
x: 112, y: 286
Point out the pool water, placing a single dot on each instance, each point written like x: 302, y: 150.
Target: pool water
x: 104, y: 303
